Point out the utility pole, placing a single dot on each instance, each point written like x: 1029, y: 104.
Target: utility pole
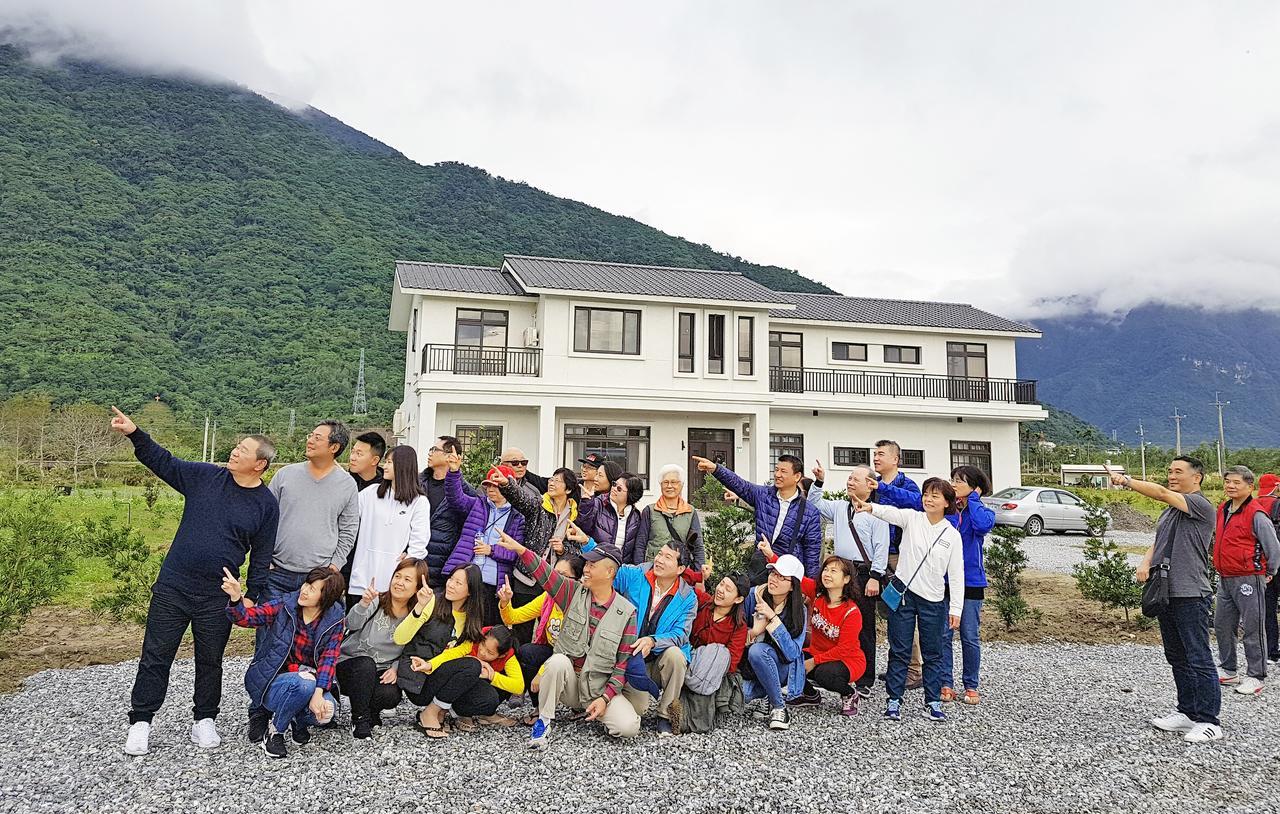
x: 1142, y: 447
x: 204, y: 450
x: 213, y: 442
x: 1222, y: 439
x: 360, y: 405
x: 1177, y: 431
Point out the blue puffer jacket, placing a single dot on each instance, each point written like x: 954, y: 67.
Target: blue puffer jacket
x: 804, y: 543
x: 676, y: 621
x: 599, y: 520
x: 446, y: 526
x: 902, y: 483
x: 975, y: 520
x: 270, y: 659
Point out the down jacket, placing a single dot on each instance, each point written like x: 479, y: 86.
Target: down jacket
x: 475, y: 510
x: 801, y: 537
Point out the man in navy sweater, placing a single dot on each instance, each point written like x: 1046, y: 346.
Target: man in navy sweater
x: 228, y: 513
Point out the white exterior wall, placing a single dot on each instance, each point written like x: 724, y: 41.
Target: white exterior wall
x: 647, y: 389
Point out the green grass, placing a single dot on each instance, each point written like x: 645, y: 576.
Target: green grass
x: 1148, y: 506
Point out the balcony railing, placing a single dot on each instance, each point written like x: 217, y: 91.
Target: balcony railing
x: 905, y: 385
x: 471, y: 360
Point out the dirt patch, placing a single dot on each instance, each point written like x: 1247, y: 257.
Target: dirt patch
x: 59, y: 636
x: 1126, y: 518
x: 1066, y: 616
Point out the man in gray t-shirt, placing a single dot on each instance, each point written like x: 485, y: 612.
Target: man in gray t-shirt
x: 1184, y: 535
x: 1186, y: 538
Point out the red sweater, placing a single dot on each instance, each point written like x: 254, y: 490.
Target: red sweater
x: 834, y: 631
x: 727, y: 632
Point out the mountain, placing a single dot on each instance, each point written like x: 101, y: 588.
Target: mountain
x: 1063, y: 427
x: 160, y: 237
x: 1114, y: 373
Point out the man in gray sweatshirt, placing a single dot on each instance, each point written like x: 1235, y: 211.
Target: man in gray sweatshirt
x: 319, y: 512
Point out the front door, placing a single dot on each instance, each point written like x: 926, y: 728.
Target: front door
x: 717, y: 445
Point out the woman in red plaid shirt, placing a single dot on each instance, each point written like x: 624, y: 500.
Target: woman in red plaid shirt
x: 292, y: 677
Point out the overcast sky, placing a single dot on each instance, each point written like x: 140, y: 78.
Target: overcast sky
x: 1005, y: 154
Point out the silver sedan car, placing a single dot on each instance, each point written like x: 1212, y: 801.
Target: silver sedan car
x: 1038, y: 509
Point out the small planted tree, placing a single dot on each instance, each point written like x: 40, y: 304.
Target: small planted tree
x: 727, y: 529
x: 479, y: 458
x: 35, y: 549
x: 1106, y: 577
x: 1005, y: 561
x: 1096, y: 518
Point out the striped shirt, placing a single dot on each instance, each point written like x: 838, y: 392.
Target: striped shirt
x: 561, y: 590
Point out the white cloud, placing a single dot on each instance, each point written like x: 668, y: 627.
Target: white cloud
x: 1018, y: 156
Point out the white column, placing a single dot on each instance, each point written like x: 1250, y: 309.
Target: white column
x: 761, y: 466
x: 424, y: 430
x: 547, y: 455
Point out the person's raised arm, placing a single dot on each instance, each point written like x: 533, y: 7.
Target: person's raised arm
x: 519, y: 498
x: 1153, y: 490
x: 560, y: 587
x: 889, y: 495
x: 890, y: 514
x: 167, y: 467
x: 454, y: 494
x: 982, y: 518
x: 826, y: 508
x: 729, y: 479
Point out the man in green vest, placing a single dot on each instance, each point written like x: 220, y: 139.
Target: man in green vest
x: 587, y: 670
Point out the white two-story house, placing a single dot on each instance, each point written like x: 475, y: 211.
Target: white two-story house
x: 651, y: 365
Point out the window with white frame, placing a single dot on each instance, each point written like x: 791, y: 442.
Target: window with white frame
x: 786, y: 443
x: 851, y: 456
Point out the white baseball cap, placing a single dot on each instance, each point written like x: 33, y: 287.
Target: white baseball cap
x: 788, y: 566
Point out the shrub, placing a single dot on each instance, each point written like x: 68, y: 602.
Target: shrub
x: 151, y: 492
x: 1096, y: 517
x: 35, y: 551
x: 479, y: 459
x: 1106, y: 576
x: 133, y: 569
x: 1005, y: 561
x: 727, y: 530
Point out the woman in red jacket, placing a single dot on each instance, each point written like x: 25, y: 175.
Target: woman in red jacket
x: 719, y: 620
x: 833, y: 659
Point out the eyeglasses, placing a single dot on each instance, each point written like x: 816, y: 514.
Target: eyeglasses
x: 319, y: 436
x: 434, y: 449
x: 525, y: 462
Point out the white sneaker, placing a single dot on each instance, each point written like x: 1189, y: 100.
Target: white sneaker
x: 1177, y: 722
x: 138, y: 740
x: 204, y: 733
x: 1203, y: 732
x: 1227, y: 678
x: 1249, y: 686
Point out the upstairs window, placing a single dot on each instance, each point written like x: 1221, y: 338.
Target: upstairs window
x: 606, y: 330
x: 902, y: 354
x: 746, y: 343
x: 684, y: 342
x: 715, y: 343
x: 848, y: 352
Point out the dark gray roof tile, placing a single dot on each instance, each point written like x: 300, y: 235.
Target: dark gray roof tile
x: 838, y: 308
x: 643, y: 281
x: 462, y: 279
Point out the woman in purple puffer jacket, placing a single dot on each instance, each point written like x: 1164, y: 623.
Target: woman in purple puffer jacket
x: 485, y: 518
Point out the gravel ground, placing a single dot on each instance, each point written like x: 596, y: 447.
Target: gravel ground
x: 1057, y: 553
x: 1062, y: 729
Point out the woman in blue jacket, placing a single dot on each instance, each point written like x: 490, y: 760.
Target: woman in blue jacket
x: 775, y: 655
x: 976, y: 521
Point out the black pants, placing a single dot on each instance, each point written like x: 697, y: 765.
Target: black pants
x: 1269, y: 618
x: 168, y: 617
x: 830, y: 675
x: 531, y: 658
x: 522, y: 595
x: 457, y: 685
x: 489, y: 598
x: 867, y: 637
x: 359, y: 680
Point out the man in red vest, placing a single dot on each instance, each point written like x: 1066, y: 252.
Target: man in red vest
x: 1246, y: 555
x: 1268, y: 492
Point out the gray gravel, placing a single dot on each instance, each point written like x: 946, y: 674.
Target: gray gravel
x: 1058, y: 553
x: 1062, y: 729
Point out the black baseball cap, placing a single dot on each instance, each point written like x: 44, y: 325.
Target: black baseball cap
x: 602, y: 551
x: 594, y: 459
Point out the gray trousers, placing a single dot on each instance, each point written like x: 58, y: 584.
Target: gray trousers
x: 1241, y: 603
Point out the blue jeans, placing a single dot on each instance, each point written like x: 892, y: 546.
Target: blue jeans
x: 771, y: 673
x: 1184, y: 629
x: 970, y: 646
x: 932, y: 618
x: 279, y: 583
x: 287, y: 700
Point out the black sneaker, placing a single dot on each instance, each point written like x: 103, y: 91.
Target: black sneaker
x: 363, y: 729
x: 780, y: 718
x: 273, y: 745
x: 258, y: 722
x: 808, y: 698
x: 376, y: 720
x: 301, y: 733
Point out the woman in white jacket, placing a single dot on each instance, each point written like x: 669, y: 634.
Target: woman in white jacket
x: 930, y: 558
x: 395, y: 522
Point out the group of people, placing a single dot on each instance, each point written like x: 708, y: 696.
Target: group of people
x: 1194, y: 542
x: 382, y: 583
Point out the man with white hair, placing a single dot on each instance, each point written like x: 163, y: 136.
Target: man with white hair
x: 671, y: 519
x: 1245, y: 554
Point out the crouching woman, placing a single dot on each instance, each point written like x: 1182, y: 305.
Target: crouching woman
x: 291, y: 675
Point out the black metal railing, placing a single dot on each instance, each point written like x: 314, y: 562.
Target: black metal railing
x: 906, y: 385
x: 471, y: 360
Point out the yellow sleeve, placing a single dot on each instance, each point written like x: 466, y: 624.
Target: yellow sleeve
x: 511, y: 679
x: 526, y: 613
x: 411, y: 624
x: 456, y: 652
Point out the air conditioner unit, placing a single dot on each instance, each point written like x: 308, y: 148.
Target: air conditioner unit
x: 531, y: 337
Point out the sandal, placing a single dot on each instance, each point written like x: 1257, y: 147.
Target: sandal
x: 529, y: 720
x: 466, y: 725
x: 972, y: 698
x: 432, y: 732
x: 498, y: 720
x: 947, y: 695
